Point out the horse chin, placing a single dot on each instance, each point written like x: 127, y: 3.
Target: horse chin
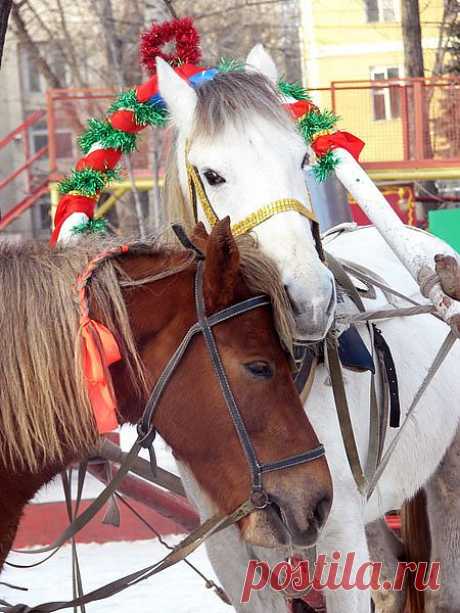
x: 266, y: 529
x: 309, y: 330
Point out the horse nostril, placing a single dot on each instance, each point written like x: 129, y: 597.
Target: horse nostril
x: 321, y: 511
x: 294, y: 307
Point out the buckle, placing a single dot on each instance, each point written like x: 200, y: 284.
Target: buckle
x: 260, y: 499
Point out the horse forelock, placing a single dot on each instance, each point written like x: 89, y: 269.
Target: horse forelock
x: 233, y: 98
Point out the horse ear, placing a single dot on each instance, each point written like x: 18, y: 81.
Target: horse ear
x: 200, y: 236
x: 179, y: 96
x: 222, y: 267
x: 261, y: 61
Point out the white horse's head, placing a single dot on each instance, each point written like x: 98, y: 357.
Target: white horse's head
x: 248, y: 154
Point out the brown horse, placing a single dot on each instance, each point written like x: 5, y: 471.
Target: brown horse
x: 145, y: 297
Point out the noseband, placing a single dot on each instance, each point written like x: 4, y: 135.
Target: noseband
x: 204, y: 325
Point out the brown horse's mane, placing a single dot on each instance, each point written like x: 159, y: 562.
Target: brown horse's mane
x: 43, y: 401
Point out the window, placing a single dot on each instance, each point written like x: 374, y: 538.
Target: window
x: 43, y: 211
x: 63, y: 140
x: 386, y: 100
x: 381, y: 10
x: 38, y: 136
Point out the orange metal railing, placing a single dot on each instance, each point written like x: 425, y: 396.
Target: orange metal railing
x: 406, y: 123
x: 35, y: 188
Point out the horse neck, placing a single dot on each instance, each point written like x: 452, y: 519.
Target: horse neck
x: 149, y: 310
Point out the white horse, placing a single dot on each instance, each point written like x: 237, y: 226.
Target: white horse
x: 248, y: 153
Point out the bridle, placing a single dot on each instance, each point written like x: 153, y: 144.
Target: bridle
x: 204, y: 326
x: 258, y: 498
x: 197, y: 194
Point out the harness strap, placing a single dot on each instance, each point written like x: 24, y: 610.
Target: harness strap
x: 340, y: 396
x: 181, y: 551
x: 343, y: 413
x: 435, y: 366
x: 81, y: 520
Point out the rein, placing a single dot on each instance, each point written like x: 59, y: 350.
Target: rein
x: 258, y: 499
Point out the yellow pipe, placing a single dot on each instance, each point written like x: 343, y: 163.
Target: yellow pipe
x: 108, y: 204
x: 54, y: 199
x: 414, y: 174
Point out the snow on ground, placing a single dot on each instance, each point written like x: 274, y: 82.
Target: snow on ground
x: 175, y: 590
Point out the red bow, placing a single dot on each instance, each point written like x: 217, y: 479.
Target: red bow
x: 299, y: 108
x: 99, y: 350
x: 322, y: 144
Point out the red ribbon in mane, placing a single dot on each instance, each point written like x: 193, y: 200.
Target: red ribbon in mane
x: 99, y: 350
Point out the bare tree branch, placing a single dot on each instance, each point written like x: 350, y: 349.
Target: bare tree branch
x: 33, y: 48
x: 5, y: 9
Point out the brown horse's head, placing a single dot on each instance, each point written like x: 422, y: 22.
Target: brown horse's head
x: 192, y: 415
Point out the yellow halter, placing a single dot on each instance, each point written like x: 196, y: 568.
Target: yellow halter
x: 198, y: 193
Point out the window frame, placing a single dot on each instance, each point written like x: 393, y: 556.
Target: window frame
x: 385, y: 92
x: 380, y: 12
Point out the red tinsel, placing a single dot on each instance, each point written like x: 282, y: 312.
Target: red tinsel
x: 181, y: 33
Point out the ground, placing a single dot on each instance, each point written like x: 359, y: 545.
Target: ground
x: 175, y: 590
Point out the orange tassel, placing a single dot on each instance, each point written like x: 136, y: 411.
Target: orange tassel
x: 99, y: 351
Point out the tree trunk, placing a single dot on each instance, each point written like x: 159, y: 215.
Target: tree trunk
x: 412, y: 38
x: 414, y: 67
x: 5, y: 9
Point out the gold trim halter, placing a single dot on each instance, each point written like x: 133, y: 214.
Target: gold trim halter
x: 198, y: 192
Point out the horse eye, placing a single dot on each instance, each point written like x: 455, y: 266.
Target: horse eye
x: 260, y: 369
x: 213, y: 178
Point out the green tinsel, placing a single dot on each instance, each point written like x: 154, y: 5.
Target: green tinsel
x: 324, y: 166
x: 316, y: 121
x: 92, y: 226
x: 144, y: 113
x: 103, y: 133
x: 87, y: 182
x: 230, y: 65
x: 294, y: 90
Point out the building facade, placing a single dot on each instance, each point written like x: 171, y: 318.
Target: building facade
x: 352, y: 46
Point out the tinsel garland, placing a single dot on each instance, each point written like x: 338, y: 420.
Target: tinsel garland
x: 294, y: 90
x: 179, y: 33
x: 325, y: 164
x: 230, y: 65
x: 102, y: 133
x: 87, y: 182
x: 92, y: 226
x: 104, y: 142
x: 145, y: 114
x: 315, y: 123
